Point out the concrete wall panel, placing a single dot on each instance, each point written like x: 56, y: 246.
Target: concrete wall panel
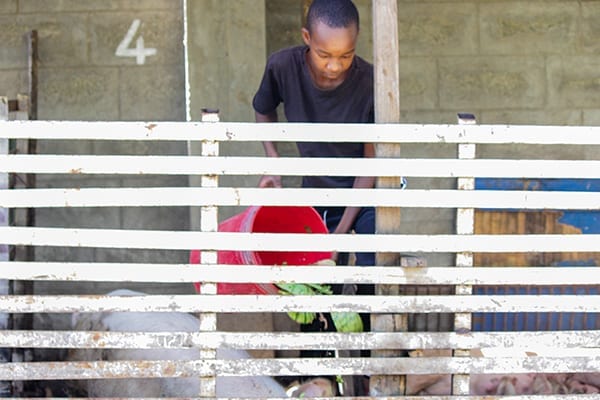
x: 283, y: 23
x: 492, y: 82
x: 63, y: 147
x: 14, y: 80
x: 8, y: 7
x: 152, y: 93
x: 591, y: 117
x: 79, y: 94
x: 528, y: 28
x: 45, y: 6
x: 418, y: 83
x: 590, y: 27
x: 62, y: 40
x: 227, y: 48
x: 574, y: 82
x: 541, y: 117
x: 161, y: 31
x: 440, y: 29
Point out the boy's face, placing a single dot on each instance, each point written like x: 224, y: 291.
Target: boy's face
x: 330, y: 55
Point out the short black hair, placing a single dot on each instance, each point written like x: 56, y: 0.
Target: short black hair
x: 333, y: 13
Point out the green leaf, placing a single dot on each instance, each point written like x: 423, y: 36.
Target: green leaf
x: 295, y: 288
x: 320, y: 289
x: 347, y: 321
x: 302, y: 317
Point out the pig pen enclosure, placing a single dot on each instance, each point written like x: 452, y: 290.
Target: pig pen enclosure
x: 466, y: 359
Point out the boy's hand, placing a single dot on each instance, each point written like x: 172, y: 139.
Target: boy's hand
x: 267, y: 181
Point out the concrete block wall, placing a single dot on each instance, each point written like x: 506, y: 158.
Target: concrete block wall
x: 82, y: 78
x: 506, y: 61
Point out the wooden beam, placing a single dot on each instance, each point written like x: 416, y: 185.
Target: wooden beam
x: 33, y: 62
x: 387, y: 110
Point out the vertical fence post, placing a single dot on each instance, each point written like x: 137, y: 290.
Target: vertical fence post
x: 465, y: 221
x: 209, y: 222
x: 387, y: 110
x: 19, y: 110
x: 5, y: 387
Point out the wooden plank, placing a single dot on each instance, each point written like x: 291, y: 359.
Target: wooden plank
x: 427, y: 397
x: 182, y: 240
x: 275, y: 303
x: 301, y: 132
x: 226, y: 196
x: 564, y: 343
x: 391, y: 275
x: 294, y: 366
x: 382, y: 167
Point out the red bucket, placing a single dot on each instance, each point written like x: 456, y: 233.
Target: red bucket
x: 267, y: 219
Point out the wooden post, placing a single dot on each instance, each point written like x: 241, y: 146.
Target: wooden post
x: 387, y: 110
x: 5, y: 386
x: 465, y: 222
x: 209, y: 222
x: 33, y: 58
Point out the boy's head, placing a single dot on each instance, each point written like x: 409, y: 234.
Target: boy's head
x: 330, y: 33
x: 333, y: 13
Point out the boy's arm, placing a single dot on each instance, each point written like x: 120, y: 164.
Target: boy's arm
x: 270, y: 151
x: 360, y: 182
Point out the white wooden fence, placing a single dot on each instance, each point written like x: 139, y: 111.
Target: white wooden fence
x: 580, y: 347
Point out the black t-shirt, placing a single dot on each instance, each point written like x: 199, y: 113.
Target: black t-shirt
x: 287, y: 80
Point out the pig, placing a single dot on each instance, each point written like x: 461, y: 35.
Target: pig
x: 259, y: 386
x: 583, y: 383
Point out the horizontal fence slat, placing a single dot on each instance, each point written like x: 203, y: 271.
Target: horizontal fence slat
x: 145, y: 272
x: 197, y: 165
x: 272, y: 303
x: 184, y: 240
x: 295, y: 366
x: 566, y: 340
x: 417, y: 397
x: 296, y: 132
x: 180, y: 196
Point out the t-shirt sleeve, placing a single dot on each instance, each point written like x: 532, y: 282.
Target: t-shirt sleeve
x: 268, y: 95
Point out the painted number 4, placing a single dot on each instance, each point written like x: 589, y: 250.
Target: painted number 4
x: 139, y: 51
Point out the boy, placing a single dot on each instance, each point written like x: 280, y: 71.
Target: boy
x: 324, y: 81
